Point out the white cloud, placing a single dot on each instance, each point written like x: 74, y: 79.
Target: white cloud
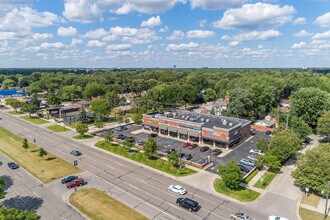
x: 321, y: 36
x: 182, y: 47
x: 164, y: 29
x: 299, y: 20
x: 177, y: 35
x: 257, y: 35
x: 95, y: 43
x: 83, y: 11
x: 39, y: 36
x: 96, y: 34
x: 252, y: 16
x: 225, y: 37
x: 8, y: 5
x: 133, y: 35
x: 324, y: 20
x: 303, y: 33
x: 202, y: 23
x: 216, y: 4
x: 76, y: 41
x: 146, y: 6
x: 56, y: 46
x: 234, y: 43
x: 200, y: 34
x: 152, y: 22
x: 66, y: 32
x: 299, y: 45
x: 119, y: 47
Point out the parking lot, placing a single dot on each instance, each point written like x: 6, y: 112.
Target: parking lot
x: 164, y: 142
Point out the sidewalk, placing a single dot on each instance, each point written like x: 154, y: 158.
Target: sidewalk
x: 320, y: 207
x: 255, y: 179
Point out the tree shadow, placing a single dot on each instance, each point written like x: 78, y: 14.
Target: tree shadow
x: 32, y: 151
x: 8, y: 182
x: 50, y: 158
x: 23, y: 203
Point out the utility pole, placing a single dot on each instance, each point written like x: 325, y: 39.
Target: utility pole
x: 287, y: 121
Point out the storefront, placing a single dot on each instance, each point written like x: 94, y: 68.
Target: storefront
x: 163, y: 129
x: 173, y: 131
x: 194, y: 136
x: 183, y: 133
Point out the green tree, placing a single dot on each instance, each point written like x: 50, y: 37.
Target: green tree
x: 53, y: 99
x: 25, y: 144
x: 173, y: 158
x: 273, y: 163
x: 71, y: 92
x: 93, y: 90
x: 300, y: 127
x: 313, y: 170
x: 120, y: 119
x: 262, y: 145
x: 284, y: 145
x: 8, y: 83
x: 99, y: 123
x: 81, y: 129
x: 82, y: 117
x: 137, y: 118
x: 231, y: 175
x: 16, y: 214
x: 31, y: 109
x: 241, y: 103
x: 309, y: 104
x: 108, y: 137
x: 323, y: 125
x: 2, y: 185
x: 42, y: 153
x: 209, y: 95
x: 100, y: 107
x: 150, y: 147
x: 14, y: 103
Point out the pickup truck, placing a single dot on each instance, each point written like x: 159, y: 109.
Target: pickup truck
x: 240, y: 216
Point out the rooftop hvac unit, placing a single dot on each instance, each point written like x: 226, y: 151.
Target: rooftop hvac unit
x: 183, y: 116
x: 174, y: 114
x: 202, y: 119
x: 230, y: 124
x: 187, y: 117
x: 207, y: 120
x: 224, y: 122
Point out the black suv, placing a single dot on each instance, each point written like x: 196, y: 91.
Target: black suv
x: 204, y: 149
x: 12, y: 165
x: 325, y: 140
x: 189, y: 204
x: 153, y: 135
x: 68, y: 179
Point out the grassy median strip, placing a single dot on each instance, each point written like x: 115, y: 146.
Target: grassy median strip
x: 16, y: 113
x: 57, y: 128
x: 268, y: 177
x: 46, y: 169
x: 37, y: 121
x: 99, y: 206
x: 82, y: 137
x: 155, y: 162
x: 306, y: 214
x: 242, y: 194
x: 250, y: 177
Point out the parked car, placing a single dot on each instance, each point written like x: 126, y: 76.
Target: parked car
x: 181, y: 155
x: 68, y: 179
x: 255, y: 151
x: 119, y: 128
x: 123, y: 127
x: 131, y: 152
x: 140, y: 143
x: 251, y: 158
x: 268, y: 132
x: 76, y: 153
x: 273, y: 217
x: 121, y: 137
x: 177, y: 189
x: 247, y: 162
x: 153, y: 135
x: 187, y: 144
x: 253, y: 131
x: 187, y: 157
x: 240, y: 216
x: 169, y: 150
x: 12, y: 165
x: 204, y: 149
x: 187, y: 203
x: 243, y: 168
x: 324, y: 140
x: 216, y: 152
x: 1, y: 163
x: 193, y: 146
x: 75, y: 182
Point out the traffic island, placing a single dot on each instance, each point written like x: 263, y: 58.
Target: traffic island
x: 57, y: 128
x: 97, y: 205
x: 37, y: 121
x: 82, y: 137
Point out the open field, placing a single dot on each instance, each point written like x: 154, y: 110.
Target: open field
x: 99, y: 206
x: 242, y: 194
x: 47, y: 169
x: 57, y: 128
x: 37, y: 121
x: 156, y: 163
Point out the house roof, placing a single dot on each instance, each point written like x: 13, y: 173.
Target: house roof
x: 267, y: 122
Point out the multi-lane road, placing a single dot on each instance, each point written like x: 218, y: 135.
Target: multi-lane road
x: 144, y: 189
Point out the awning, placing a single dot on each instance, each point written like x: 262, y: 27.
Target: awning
x: 173, y: 129
x: 193, y: 133
x: 163, y: 127
x: 183, y: 131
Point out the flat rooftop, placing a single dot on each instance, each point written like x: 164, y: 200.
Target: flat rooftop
x: 204, y: 120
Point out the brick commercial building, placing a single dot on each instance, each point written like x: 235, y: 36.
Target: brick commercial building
x: 201, y: 128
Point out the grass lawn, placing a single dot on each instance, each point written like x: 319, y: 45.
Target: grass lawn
x: 306, y: 214
x: 242, y: 194
x: 155, y: 162
x: 311, y: 199
x: 268, y: 177
x: 16, y: 113
x: 250, y: 177
x: 37, y: 121
x: 46, y: 170
x: 82, y: 137
x: 99, y: 206
x: 57, y: 128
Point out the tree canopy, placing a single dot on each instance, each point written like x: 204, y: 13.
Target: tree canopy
x: 231, y: 175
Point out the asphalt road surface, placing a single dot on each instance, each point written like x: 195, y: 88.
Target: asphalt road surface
x: 147, y: 189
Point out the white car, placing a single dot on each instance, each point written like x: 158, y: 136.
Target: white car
x: 273, y: 217
x: 256, y: 152
x: 177, y: 189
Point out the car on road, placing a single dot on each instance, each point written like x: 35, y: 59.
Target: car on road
x: 68, y: 179
x: 76, y: 153
x: 204, y: 149
x: 140, y: 143
x: 1, y: 163
x: 256, y: 152
x: 186, y: 144
x: 193, y: 146
x: 243, y: 168
x: 268, y: 132
x: 240, y: 216
x: 247, y: 162
x: 12, y: 165
x: 187, y: 157
x: 75, y: 182
x: 324, y: 140
x: 189, y: 204
x: 177, y: 189
x: 153, y: 135
x: 216, y: 152
x: 273, y: 217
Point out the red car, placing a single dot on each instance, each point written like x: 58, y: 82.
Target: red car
x: 187, y: 144
x: 75, y: 182
x: 192, y: 146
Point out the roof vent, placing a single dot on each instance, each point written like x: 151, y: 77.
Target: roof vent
x: 207, y: 120
x: 187, y: 117
x: 230, y: 124
x: 224, y: 122
x: 183, y: 116
x: 202, y: 119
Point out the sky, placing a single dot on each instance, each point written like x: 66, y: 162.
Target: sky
x: 164, y: 33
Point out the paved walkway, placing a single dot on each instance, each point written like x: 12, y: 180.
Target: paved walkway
x: 255, y: 179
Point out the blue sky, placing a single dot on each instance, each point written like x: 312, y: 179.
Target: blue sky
x: 163, y: 33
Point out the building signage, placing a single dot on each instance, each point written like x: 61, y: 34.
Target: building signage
x: 190, y: 127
